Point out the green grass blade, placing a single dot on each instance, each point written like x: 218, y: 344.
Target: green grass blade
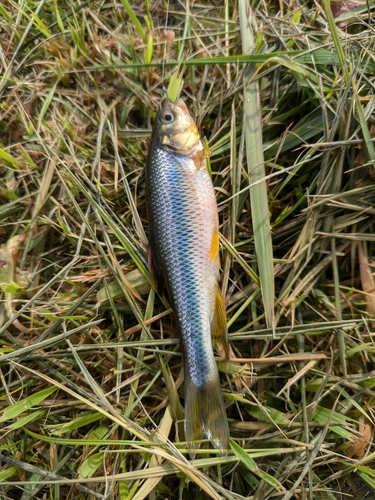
x: 134, y: 19
x: 256, y: 171
x: 251, y: 465
x: 316, y: 56
x: 25, y: 404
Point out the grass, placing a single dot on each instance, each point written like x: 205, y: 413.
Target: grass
x: 90, y: 362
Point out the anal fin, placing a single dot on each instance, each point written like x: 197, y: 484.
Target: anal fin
x: 219, y: 331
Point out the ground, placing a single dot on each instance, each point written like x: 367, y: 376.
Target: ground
x: 90, y: 360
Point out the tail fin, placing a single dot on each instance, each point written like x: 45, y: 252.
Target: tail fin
x: 205, y: 415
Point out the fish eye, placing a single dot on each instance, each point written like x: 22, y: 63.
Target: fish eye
x: 167, y: 117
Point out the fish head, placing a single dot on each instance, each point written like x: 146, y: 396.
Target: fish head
x: 176, y: 128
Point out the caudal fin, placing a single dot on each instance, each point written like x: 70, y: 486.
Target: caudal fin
x: 205, y: 416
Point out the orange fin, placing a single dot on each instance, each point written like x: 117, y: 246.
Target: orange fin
x: 205, y: 416
x: 214, y: 250
x: 200, y: 157
x: 219, y: 331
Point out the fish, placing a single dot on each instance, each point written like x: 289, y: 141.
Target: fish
x: 184, y: 248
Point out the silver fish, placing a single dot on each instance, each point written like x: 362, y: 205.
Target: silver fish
x: 184, y: 241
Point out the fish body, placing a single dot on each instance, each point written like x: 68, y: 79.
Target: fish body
x: 184, y: 241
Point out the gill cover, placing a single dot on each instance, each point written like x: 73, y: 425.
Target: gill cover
x: 177, y: 128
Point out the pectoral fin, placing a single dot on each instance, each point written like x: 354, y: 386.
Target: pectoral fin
x: 214, y: 249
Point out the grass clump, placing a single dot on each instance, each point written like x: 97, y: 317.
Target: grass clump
x: 90, y: 363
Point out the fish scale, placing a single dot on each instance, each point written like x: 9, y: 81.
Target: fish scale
x: 183, y: 223
x: 177, y: 240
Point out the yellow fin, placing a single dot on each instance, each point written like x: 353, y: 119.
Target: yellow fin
x: 205, y: 416
x: 219, y: 331
x: 214, y: 250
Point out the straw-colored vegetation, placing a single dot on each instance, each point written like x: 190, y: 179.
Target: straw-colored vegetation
x: 90, y: 362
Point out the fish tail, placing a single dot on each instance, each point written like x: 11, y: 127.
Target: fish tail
x: 205, y: 415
